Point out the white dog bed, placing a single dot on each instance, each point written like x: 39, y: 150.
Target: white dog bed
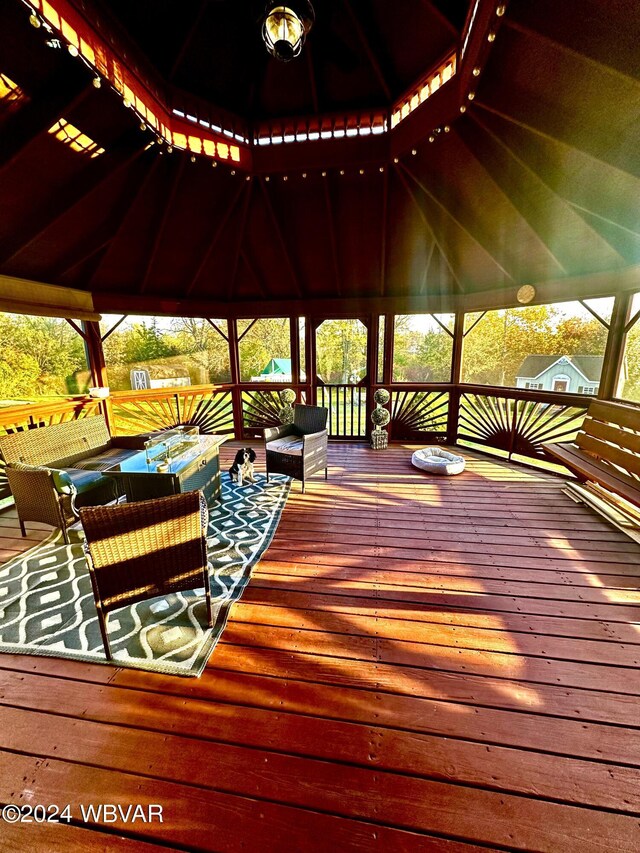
x: 435, y: 460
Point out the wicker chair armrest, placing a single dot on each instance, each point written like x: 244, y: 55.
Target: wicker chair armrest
x: 314, y: 438
x: 271, y: 433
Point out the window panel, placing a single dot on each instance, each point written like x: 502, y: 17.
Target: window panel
x: 265, y: 350
x: 556, y: 347
x: 40, y: 356
x: 422, y: 347
x: 165, y: 352
x: 629, y: 385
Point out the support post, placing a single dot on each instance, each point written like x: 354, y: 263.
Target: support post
x: 614, y: 351
x: 97, y: 365
x: 456, y: 373
x: 236, y: 393
x: 372, y: 366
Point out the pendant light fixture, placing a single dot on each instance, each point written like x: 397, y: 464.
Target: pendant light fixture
x: 285, y: 28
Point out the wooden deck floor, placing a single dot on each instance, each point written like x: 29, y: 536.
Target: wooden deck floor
x: 417, y: 665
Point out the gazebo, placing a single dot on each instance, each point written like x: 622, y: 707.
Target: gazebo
x: 435, y: 199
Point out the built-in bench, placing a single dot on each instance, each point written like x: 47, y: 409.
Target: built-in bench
x: 606, y: 450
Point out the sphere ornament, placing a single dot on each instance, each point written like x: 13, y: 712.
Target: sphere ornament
x: 382, y: 396
x: 288, y: 396
x: 380, y: 417
x: 285, y: 415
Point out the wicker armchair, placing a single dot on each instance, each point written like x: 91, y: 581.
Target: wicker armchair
x: 298, y: 449
x: 50, y: 496
x: 146, y: 549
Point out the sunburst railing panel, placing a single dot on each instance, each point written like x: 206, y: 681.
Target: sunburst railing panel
x: 210, y: 409
x: 518, y: 425
x: 416, y: 415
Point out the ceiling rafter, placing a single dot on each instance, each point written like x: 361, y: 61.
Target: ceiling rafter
x: 332, y: 235
x: 521, y: 163
x: 364, y: 41
x: 219, y: 228
x: 123, y: 223
x: 102, y: 238
x: 254, y: 275
x: 281, y: 240
x: 382, y: 288
x: 552, y: 138
x: 430, y: 230
x: 162, y: 224
x: 458, y: 222
x: 97, y: 173
x: 312, y: 79
x: 61, y: 95
x: 441, y: 17
x: 575, y: 54
x: 566, y: 146
x: 231, y: 284
x: 177, y: 62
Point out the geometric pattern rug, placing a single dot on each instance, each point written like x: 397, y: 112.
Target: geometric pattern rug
x: 47, y: 605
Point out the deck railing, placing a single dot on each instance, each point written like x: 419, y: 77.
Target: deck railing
x: 347, y: 405
x: 511, y: 423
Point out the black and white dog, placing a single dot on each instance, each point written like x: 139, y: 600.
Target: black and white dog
x: 242, y: 469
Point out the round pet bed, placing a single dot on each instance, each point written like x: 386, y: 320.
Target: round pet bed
x: 435, y: 460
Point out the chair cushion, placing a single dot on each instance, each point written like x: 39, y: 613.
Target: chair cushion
x: 61, y: 480
x: 84, y: 481
x: 289, y: 444
x: 435, y: 460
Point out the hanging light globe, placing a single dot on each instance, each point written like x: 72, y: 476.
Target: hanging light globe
x: 285, y: 28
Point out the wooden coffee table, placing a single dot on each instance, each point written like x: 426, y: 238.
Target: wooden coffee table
x: 198, y: 468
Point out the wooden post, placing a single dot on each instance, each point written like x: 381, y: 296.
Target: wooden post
x: 614, y: 351
x: 310, y: 344
x: 456, y: 373
x: 97, y: 366
x: 236, y: 393
x: 387, y: 365
x: 372, y: 366
x: 295, y: 350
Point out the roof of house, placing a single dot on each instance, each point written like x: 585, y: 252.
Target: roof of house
x: 534, y: 365
x: 278, y: 365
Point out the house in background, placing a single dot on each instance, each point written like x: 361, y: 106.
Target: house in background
x: 568, y: 374
x: 278, y: 370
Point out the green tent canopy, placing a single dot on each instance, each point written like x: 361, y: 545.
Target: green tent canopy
x: 278, y: 366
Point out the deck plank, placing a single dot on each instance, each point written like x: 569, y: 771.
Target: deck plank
x: 416, y: 665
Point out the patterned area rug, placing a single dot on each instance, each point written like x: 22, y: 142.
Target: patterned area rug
x: 47, y: 606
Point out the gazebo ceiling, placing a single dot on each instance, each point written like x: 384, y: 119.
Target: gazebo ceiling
x: 359, y: 55
x: 538, y: 180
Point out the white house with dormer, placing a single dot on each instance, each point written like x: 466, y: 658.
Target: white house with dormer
x: 567, y: 374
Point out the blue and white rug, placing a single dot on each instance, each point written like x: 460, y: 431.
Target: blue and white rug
x: 47, y: 605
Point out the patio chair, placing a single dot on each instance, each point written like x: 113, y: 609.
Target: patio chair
x: 298, y: 449
x: 50, y: 495
x: 146, y: 549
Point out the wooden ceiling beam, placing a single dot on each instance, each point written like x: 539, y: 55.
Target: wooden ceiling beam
x: 101, y: 238
x: 231, y: 284
x: 96, y: 173
x: 372, y: 58
x: 556, y: 290
x: 123, y: 223
x: 197, y: 18
x: 463, y: 226
x: 441, y: 17
x: 281, y: 240
x: 430, y: 231
x: 332, y: 235
x: 57, y: 99
x: 162, y: 224
x: 219, y: 228
x: 254, y: 275
x: 498, y: 141
x: 382, y: 288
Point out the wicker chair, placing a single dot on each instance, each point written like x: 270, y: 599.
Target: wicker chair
x: 146, y: 549
x: 298, y: 449
x: 50, y: 496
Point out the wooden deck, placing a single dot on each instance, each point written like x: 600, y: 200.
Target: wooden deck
x: 417, y: 665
